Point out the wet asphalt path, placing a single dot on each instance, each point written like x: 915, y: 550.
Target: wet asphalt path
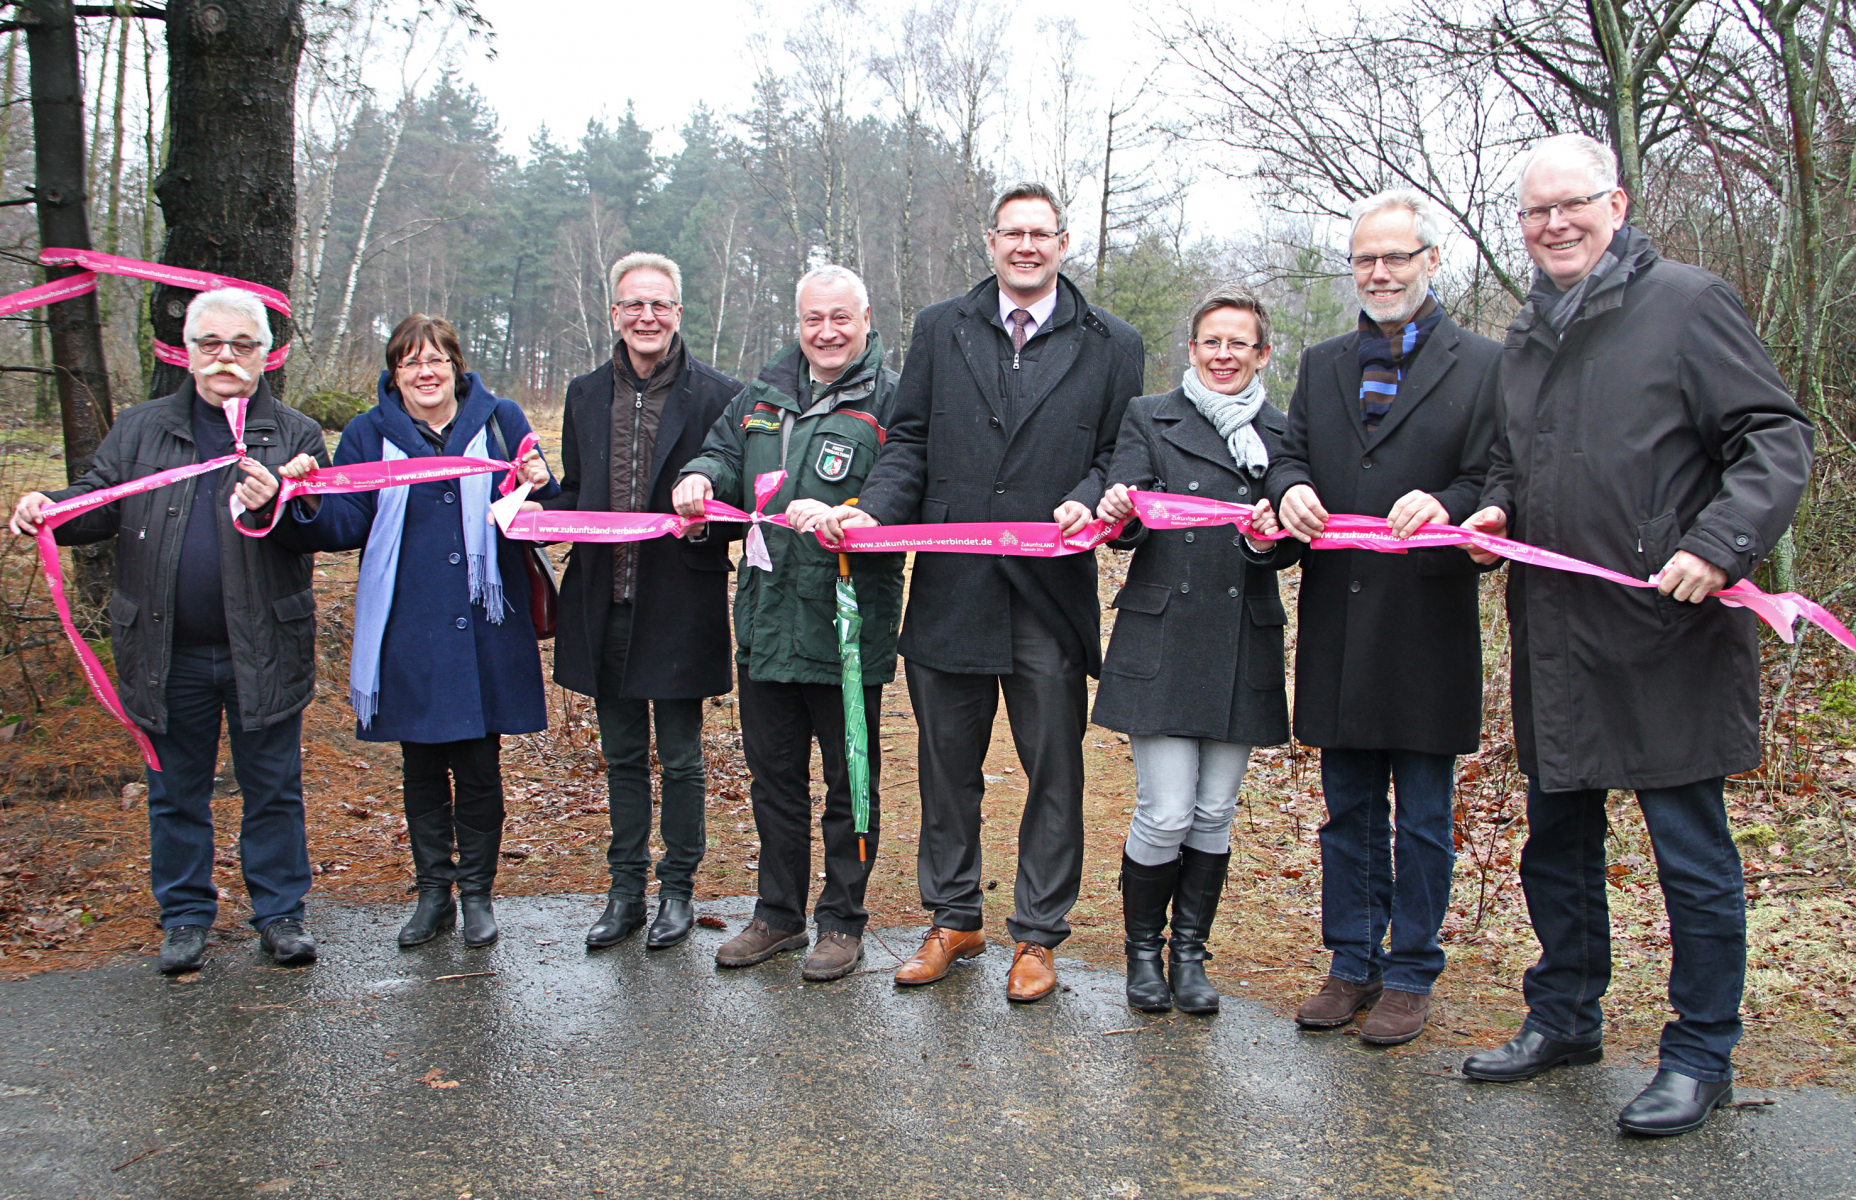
x: 622, y: 1074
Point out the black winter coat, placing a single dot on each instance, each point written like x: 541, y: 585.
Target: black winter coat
x: 1197, y: 648
x: 962, y: 449
x: 1654, y: 423
x: 270, y: 605
x: 679, y: 645
x: 1388, y: 651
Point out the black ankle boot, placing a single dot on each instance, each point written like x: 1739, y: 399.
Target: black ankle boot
x: 1195, y: 904
x: 433, y: 873
x: 1145, y: 892
x: 477, y: 851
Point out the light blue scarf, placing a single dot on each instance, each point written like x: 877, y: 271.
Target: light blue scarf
x: 380, y: 567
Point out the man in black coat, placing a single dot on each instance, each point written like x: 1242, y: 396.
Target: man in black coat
x: 1643, y: 429
x: 1393, y: 420
x: 643, y: 626
x: 1007, y: 410
x: 206, y: 623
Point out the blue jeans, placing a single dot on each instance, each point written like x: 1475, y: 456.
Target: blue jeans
x: 268, y: 764
x: 1367, y: 883
x: 1698, y: 866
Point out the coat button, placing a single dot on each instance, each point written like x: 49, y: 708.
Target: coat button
x: 157, y: 616
x: 994, y: 422
x: 451, y: 497
x: 1741, y: 540
x: 1367, y: 463
x: 1185, y: 587
x: 1238, y: 540
x: 1233, y: 593
x: 998, y: 488
x: 1193, y: 486
x: 456, y: 558
x: 1354, y: 586
x: 1189, y: 536
x: 463, y: 623
x: 1242, y: 490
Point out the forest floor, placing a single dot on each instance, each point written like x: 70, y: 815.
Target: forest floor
x: 74, y: 837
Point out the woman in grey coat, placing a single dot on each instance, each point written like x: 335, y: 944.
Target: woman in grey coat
x: 1194, y: 672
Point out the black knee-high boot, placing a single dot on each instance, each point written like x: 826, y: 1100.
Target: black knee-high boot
x: 429, y: 835
x: 1145, y: 892
x: 477, y: 851
x: 1195, y: 905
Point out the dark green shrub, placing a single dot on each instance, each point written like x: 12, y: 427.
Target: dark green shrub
x: 333, y: 410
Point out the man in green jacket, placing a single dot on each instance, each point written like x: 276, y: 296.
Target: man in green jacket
x: 819, y: 411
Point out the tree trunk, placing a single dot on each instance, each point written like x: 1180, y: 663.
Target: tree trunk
x: 76, y: 334
x: 228, y: 190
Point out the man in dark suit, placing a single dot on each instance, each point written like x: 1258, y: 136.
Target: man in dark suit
x: 643, y: 626
x: 1007, y: 410
x: 1393, y: 420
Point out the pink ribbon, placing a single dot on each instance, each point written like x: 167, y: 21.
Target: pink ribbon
x: 1346, y: 531
x: 95, y: 262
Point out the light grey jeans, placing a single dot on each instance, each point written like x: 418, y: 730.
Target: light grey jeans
x: 1185, y: 794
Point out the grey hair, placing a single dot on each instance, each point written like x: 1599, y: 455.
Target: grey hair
x: 1029, y: 190
x: 1427, y: 217
x: 1589, y: 152
x: 1233, y: 295
x: 826, y: 274
x: 644, y: 260
x: 232, y: 301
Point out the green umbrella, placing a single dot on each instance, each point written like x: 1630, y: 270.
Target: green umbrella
x: 856, y: 736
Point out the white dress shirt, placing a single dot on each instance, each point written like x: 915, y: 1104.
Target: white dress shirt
x: 1040, y: 311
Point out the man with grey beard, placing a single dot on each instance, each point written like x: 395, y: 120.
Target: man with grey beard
x: 1394, y: 420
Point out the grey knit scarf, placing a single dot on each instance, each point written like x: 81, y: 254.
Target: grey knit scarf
x: 1232, y: 417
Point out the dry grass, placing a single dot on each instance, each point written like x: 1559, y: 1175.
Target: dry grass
x: 73, y: 852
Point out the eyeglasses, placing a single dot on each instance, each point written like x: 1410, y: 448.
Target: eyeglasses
x: 241, y: 347
x: 421, y: 364
x: 1398, y: 260
x: 1540, y: 214
x: 1039, y: 237
x: 1234, y: 345
x: 659, y: 308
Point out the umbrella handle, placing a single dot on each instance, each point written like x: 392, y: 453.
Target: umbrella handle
x: 844, y: 572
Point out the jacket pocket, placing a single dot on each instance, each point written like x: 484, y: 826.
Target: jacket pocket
x: 1657, y: 540
x: 298, y: 606
x: 934, y: 512
x: 123, y: 610
x: 1263, y: 652
x: 1444, y: 563
x: 709, y: 557
x: 1139, y: 641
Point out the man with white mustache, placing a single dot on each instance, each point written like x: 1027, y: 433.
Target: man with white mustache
x: 205, y: 620
x: 1393, y: 420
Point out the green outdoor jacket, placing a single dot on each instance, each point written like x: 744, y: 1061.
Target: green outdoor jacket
x: 785, y: 621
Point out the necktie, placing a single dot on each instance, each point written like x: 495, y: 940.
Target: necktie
x: 1021, y: 329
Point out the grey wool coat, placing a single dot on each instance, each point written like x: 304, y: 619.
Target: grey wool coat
x: 1388, y: 652
x: 1198, y: 644
x: 1654, y: 423
x: 974, y: 440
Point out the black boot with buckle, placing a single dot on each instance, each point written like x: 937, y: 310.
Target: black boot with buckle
x: 1145, y: 893
x: 1195, y: 905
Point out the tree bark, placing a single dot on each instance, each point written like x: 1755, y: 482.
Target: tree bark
x: 76, y: 333
x: 228, y: 191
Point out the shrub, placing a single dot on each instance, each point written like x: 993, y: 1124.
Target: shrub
x: 333, y: 410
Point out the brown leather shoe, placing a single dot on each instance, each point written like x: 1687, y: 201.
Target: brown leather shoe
x: 1336, y: 1002
x: 1396, y: 1019
x: 833, y: 956
x: 758, y: 943
x: 939, y: 950
x: 1033, y: 977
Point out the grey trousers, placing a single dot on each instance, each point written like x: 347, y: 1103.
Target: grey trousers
x: 1185, y: 794
x: 1047, y: 702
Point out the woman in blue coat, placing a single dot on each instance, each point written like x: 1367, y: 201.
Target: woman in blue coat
x: 445, y: 659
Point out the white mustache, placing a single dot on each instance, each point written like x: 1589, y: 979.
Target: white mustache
x: 225, y: 368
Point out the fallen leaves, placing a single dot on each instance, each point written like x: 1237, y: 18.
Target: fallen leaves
x: 435, y: 1079
x: 709, y: 922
